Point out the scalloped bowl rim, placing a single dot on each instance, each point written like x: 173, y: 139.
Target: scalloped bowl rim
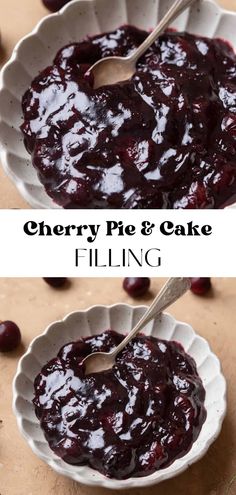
x: 107, y: 482
x: 19, y: 183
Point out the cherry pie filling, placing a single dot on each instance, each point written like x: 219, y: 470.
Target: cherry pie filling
x: 131, y: 420
x: 166, y: 138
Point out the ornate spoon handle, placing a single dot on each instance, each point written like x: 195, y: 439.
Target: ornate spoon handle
x: 170, y: 292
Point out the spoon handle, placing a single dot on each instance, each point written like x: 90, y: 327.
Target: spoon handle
x: 170, y: 292
x: 176, y: 9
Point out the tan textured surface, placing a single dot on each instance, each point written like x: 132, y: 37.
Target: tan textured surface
x: 17, y: 18
x: 33, y: 305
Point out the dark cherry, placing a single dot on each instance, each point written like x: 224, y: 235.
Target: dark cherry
x: 131, y: 420
x: 136, y: 287
x: 55, y: 281
x: 200, y: 285
x: 55, y: 5
x: 10, y: 336
x: 163, y: 139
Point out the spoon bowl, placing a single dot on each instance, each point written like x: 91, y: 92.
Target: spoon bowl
x: 98, y: 361
x: 109, y: 70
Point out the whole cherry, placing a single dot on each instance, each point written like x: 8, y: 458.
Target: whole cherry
x: 55, y: 282
x: 200, y: 285
x: 136, y: 287
x: 10, y: 336
x: 55, y: 5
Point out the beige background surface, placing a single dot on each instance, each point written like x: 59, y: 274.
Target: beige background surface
x: 17, y: 18
x: 33, y: 305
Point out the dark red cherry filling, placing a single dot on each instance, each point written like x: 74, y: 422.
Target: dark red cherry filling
x: 164, y: 139
x: 128, y: 421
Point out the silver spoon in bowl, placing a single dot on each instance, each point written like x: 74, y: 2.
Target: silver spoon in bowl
x: 173, y: 289
x: 110, y: 70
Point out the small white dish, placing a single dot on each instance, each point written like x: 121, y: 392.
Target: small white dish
x: 74, y: 22
x: 119, y: 317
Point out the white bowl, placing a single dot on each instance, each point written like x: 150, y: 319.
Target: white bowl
x: 74, y: 22
x: 120, y: 317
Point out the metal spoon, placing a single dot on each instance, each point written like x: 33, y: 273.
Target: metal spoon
x: 170, y: 292
x: 110, y: 70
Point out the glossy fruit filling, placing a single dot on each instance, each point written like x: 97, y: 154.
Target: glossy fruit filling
x: 128, y: 421
x: 164, y: 139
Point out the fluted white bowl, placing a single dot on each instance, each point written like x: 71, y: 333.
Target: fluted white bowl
x: 74, y: 22
x: 119, y: 317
